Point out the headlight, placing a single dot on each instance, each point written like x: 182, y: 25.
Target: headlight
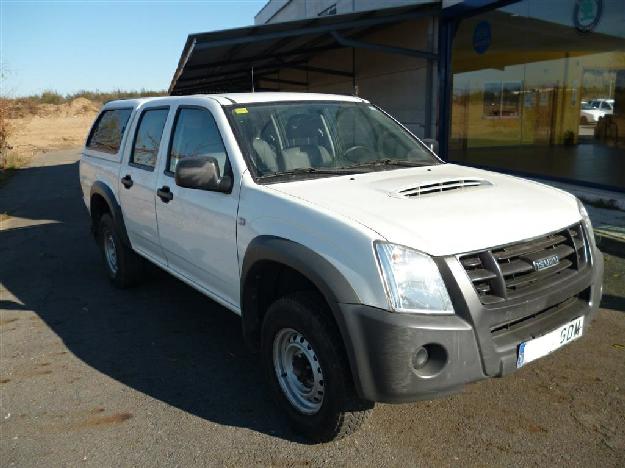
x: 412, y: 280
x: 586, y: 220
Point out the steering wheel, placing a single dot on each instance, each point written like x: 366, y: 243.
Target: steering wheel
x: 358, y: 154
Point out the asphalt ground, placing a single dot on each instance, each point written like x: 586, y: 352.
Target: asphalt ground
x: 159, y: 376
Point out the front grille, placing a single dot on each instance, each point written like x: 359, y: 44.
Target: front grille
x: 512, y: 324
x: 510, y: 272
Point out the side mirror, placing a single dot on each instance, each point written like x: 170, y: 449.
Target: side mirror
x: 432, y: 144
x: 201, y: 172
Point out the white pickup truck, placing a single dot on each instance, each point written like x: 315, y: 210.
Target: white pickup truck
x: 364, y: 268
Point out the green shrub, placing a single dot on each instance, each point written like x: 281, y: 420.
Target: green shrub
x: 51, y: 97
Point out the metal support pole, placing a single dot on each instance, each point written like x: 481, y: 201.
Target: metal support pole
x: 446, y: 32
x: 354, y: 85
x: 429, y: 83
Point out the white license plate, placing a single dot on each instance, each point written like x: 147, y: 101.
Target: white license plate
x: 534, y: 349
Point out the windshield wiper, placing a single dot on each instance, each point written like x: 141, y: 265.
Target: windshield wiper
x: 311, y: 170
x: 393, y: 162
x: 343, y: 170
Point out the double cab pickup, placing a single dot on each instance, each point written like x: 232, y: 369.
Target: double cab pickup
x: 363, y: 267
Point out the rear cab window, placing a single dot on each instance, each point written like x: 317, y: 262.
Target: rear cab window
x: 108, y: 130
x: 148, y: 137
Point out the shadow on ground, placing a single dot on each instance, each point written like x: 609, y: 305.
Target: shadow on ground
x: 161, y: 338
x: 609, y: 301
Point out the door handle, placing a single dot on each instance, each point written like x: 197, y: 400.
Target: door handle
x: 127, y: 181
x: 165, y: 194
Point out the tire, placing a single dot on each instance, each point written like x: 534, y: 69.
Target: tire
x: 123, y: 266
x: 584, y: 120
x: 299, y: 322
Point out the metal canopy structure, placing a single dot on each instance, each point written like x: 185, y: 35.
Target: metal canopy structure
x: 237, y: 59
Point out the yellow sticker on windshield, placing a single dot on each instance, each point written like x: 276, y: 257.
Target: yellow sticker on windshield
x: 241, y: 110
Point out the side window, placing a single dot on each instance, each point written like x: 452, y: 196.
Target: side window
x: 148, y: 137
x: 196, y: 134
x: 106, y: 135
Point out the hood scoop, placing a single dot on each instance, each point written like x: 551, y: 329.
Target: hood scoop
x: 430, y: 187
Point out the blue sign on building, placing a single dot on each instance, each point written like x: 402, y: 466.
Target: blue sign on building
x: 482, y: 37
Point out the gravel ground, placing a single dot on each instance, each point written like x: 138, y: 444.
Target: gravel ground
x: 159, y: 375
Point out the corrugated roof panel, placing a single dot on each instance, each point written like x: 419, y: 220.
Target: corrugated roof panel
x: 223, y: 60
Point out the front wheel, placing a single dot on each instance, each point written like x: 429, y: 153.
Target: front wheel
x: 307, y: 370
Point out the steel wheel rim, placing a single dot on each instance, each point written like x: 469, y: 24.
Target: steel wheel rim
x: 298, y: 371
x: 110, y: 251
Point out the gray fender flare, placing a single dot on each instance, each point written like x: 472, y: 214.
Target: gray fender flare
x: 329, y: 281
x: 103, y: 190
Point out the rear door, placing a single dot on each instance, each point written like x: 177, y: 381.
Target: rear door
x: 197, y: 228
x: 103, y: 153
x: 137, y: 188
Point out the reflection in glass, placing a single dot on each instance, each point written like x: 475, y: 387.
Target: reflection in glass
x: 547, y: 97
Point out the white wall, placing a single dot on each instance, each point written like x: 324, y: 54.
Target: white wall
x: 277, y: 11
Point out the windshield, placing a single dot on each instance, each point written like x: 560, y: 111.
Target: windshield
x: 324, y: 138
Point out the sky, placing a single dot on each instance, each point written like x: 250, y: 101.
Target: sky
x: 67, y: 46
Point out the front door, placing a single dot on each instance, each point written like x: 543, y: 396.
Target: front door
x: 197, y: 228
x: 137, y: 188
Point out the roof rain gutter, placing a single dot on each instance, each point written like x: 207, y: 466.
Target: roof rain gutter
x: 348, y: 42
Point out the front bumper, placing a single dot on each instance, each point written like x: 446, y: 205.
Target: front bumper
x: 463, y: 347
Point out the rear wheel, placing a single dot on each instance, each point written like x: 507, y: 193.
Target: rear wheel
x: 123, y: 266
x: 307, y: 370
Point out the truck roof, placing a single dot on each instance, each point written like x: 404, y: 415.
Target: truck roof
x: 241, y: 98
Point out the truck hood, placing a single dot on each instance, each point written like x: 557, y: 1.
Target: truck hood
x: 441, y: 210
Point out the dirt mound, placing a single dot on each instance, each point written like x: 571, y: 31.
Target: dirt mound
x: 82, y: 106
x: 20, y: 109
x: 36, y: 127
x: 77, y: 107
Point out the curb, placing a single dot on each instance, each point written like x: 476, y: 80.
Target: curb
x: 610, y: 245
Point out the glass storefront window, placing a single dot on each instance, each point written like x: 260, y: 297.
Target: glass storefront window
x: 539, y: 89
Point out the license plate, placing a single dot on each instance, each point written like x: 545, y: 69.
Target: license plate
x: 534, y: 349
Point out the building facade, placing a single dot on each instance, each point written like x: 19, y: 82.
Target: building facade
x: 538, y: 87
x: 276, y: 11
x: 531, y: 87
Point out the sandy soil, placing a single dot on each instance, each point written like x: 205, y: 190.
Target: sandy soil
x: 36, y: 134
x: 52, y: 127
